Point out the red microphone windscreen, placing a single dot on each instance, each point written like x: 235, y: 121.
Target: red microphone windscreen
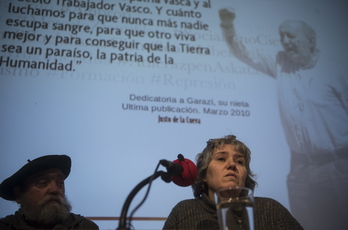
x: 188, y: 175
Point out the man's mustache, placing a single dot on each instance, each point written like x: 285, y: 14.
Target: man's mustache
x: 57, y: 198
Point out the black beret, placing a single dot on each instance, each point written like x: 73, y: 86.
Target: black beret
x: 62, y: 162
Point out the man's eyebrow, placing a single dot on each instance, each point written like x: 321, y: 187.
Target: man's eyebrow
x: 48, y: 176
x: 61, y: 175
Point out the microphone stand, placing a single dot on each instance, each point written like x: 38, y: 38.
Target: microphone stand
x: 122, y: 223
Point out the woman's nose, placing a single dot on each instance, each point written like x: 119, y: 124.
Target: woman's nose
x: 231, y: 164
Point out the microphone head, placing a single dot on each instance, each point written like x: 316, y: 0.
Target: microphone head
x: 188, y: 175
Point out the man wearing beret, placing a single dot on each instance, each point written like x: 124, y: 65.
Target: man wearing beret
x: 38, y: 187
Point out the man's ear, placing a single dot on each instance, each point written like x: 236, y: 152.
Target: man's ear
x: 17, y: 194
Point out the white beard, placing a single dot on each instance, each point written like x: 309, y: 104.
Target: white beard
x: 46, y: 212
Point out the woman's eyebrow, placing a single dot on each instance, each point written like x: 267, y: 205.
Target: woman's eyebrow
x: 221, y: 153
x: 239, y: 156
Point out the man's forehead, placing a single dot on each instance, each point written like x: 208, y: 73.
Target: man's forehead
x: 48, y: 173
x: 292, y: 25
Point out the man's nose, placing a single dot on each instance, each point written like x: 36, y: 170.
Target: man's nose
x: 285, y: 40
x: 53, y: 187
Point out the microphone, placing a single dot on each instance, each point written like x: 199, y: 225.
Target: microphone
x: 183, y: 172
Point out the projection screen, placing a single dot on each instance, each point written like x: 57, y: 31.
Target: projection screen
x: 120, y: 85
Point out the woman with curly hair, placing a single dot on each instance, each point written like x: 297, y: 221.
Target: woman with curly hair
x: 224, y: 163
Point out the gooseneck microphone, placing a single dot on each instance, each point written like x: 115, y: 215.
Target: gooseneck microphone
x: 173, y: 169
x: 182, y: 172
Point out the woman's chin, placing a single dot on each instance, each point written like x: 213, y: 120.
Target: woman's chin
x: 231, y: 184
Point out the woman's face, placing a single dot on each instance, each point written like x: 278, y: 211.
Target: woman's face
x: 226, y: 169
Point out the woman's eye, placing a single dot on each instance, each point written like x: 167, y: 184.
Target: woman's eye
x: 240, y: 162
x: 221, y: 159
